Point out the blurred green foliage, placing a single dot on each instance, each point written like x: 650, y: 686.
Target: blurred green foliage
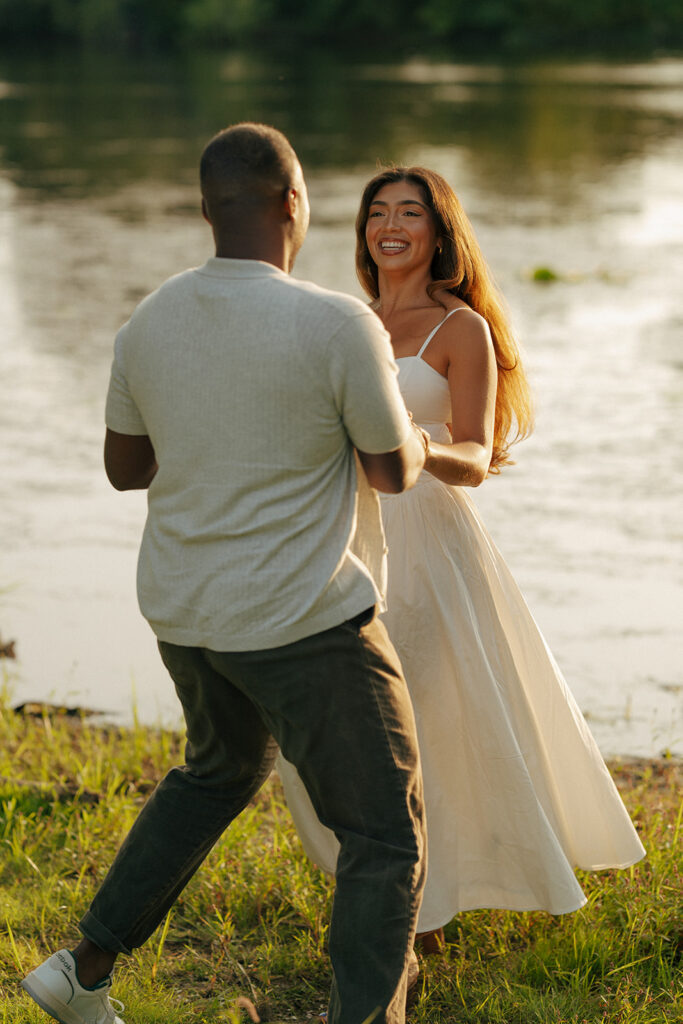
x: 487, y: 23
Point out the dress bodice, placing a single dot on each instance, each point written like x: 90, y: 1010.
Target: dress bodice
x: 425, y: 392
x: 427, y: 396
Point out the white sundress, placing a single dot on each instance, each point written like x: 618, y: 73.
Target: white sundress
x: 516, y: 792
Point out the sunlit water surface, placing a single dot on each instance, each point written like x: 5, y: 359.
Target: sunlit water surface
x: 573, y: 167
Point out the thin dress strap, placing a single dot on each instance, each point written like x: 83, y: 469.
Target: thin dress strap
x: 432, y: 333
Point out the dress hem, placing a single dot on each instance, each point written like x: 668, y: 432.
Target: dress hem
x: 431, y: 925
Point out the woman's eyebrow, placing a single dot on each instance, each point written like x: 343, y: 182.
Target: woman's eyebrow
x: 401, y: 202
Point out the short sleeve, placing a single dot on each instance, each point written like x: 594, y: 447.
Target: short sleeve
x: 365, y: 384
x: 121, y: 413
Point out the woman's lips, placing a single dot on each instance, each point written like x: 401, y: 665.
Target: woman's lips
x: 392, y: 245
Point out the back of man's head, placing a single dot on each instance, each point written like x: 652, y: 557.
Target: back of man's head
x: 245, y: 166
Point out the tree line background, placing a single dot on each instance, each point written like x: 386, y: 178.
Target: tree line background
x: 503, y: 24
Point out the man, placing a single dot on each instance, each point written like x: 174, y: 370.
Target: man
x: 240, y: 397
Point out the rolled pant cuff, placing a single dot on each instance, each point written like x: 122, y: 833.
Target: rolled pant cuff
x: 101, y: 936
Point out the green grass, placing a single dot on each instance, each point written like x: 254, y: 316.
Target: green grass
x: 251, y: 927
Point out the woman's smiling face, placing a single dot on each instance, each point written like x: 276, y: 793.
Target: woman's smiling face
x: 400, y: 231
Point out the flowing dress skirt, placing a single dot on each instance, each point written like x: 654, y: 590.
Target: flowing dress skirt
x: 516, y: 791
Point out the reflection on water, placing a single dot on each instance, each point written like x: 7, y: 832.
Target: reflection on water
x: 576, y: 167
x: 81, y: 124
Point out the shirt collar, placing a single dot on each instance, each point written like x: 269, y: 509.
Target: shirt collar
x: 229, y: 268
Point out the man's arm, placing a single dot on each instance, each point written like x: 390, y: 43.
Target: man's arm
x: 129, y: 461
x: 393, y: 472
x: 372, y: 409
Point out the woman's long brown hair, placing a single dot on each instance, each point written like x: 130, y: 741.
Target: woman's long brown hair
x: 460, y: 268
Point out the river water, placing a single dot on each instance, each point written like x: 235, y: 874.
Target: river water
x: 573, y: 167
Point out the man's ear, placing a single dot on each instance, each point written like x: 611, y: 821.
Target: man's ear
x: 205, y: 211
x: 291, y: 202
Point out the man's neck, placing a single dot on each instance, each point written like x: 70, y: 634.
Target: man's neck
x: 267, y: 250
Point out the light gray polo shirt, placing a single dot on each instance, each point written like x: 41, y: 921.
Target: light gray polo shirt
x: 254, y: 389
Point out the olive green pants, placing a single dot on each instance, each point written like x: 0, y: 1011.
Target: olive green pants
x: 338, y: 706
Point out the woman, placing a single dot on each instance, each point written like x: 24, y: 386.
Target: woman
x: 516, y: 791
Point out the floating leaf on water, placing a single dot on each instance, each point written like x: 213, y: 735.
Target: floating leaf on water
x: 544, y: 274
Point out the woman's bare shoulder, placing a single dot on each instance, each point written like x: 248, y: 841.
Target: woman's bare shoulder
x: 466, y: 336
x: 467, y: 322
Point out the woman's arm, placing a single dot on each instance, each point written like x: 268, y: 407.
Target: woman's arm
x: 472, y: 378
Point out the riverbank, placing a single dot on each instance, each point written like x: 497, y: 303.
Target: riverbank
x: 247, y: 937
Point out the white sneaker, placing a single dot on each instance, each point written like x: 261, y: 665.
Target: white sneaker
x: 56, y: 988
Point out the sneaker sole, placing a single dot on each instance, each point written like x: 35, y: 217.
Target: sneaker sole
x: 45, y: 999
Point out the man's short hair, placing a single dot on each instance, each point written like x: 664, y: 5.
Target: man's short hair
x: 246, y: 162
